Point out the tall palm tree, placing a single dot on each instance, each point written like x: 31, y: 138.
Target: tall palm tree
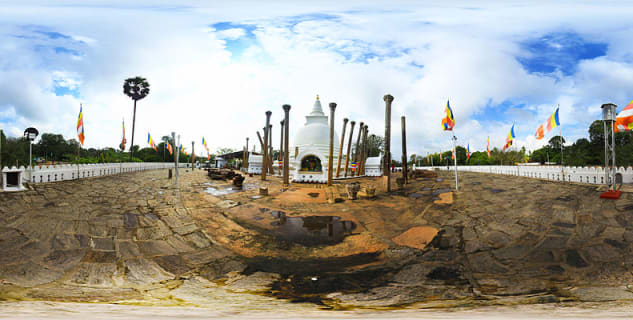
x: 136, y: 88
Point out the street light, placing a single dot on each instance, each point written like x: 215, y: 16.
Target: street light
x: 30, y: 134
x: 608, y: 118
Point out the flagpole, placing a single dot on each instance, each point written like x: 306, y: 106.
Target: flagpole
x: 79, y: 144
x: 455, y: 151
x: 560, y: 128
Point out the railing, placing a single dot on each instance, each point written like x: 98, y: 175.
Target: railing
x: 592, y: 175
x: 64, y: 172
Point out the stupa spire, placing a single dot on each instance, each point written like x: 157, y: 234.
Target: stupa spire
x: 317, y: 110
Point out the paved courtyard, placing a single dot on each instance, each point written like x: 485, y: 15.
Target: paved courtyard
x: 136, y: 238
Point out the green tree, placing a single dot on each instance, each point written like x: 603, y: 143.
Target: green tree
x: 375, y: 145
x: 136, y: 88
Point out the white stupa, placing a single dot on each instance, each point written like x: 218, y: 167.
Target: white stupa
x: 309, y: 156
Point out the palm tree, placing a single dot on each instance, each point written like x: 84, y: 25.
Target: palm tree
x: 136, y: 88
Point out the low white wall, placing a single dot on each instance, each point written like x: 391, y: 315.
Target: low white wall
x: 592, y: 175
x: 42, y: 174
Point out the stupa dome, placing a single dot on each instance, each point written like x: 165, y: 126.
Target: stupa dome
x: 316, y: 130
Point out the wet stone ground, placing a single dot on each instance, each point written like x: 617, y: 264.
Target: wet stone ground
x: 137, y: 238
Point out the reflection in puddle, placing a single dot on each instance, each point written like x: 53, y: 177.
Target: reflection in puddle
x: 222, y: 190
x: 442, y: 190
x: 415, y: 195
x: 311, y: 230
x: 496, y: 190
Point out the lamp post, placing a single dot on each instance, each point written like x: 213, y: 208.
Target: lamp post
x: 30, y: 134
x: 608, y: 118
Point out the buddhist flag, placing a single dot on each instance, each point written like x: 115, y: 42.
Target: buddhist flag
x: 624, y: 119
x: 80, y: 126
x: 123, y: 139
x: 468, y: 152
x: 204, y: 143
x: 510, y: 138
x: 453, y: 154
x: 171, y: 151
x: 550, y: 124
x: 208, y: 157
x: 488, y: 148
x: 428, y: 159
x: 440, y: 156
x: 448, y: 122
x: 150, y: 141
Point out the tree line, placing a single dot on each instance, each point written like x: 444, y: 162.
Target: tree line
x: 53, y: 148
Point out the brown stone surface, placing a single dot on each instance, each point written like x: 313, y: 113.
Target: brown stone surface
x: 416, y: 237
x: 138, y: 236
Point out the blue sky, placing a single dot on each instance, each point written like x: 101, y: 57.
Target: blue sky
x: 215, y: 68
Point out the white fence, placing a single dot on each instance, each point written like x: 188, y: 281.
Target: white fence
x: 592, y: 175
x: 42, y: 174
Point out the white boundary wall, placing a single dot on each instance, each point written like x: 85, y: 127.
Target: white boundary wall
x: 592, y: 175
x: 43, y: 174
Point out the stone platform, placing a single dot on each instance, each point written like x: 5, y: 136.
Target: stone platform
x: 137, y: 238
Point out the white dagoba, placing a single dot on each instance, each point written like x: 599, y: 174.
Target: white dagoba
x: 309, y: 156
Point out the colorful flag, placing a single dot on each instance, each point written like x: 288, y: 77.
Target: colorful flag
x: 550, y: 124
x: 208, y: 157
x: 180, y: 149
x: 449, y: 121
x: 453, y: 154
x: 440, y: 156
x: 428, y: 159
x: 510, y: 138
x: 123, y: 141
x: 204, y: 143
x: 624, y: 119
x: 468, y: 151
x: 353, y: 165
x: 80, y: 125
x: 488, y: 148
x: 171, y: 151
x: 150, y: 141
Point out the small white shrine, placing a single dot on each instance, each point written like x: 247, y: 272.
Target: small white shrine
x: 309, y: 157
x: 12, y: 179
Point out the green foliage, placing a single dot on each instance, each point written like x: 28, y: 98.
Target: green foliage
x: 375, y: 145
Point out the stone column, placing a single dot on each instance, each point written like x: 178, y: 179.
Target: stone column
x: 349, y: 145
x: 265, y: 146
x: 387, y: 156
x: 286, y: 153
x: 330, y: 162
x: 246, y: 156
x: 405, y: 169
x: 271, y: 170
x: 193, y: 155
x: 340, y: 152
x: 357, y: 149
x: 281, y: 142
x: 363, y: 151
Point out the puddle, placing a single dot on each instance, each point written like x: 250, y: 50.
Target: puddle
x: 439, y: 180
x: 220, y: 192
x: 256, y: 197
x: 442, y: 190
x: 415, y: 195
x: 476, y: 183
x: 496, y: 190
x: 313, y: 194
x: 311, y: 230
x: 216, y: 190
x: 427, y: 189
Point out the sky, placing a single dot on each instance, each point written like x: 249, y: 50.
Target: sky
x: 216, y: 67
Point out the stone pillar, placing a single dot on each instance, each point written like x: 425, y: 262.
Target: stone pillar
x: 405, y: 169
x: 357, y: 149
x: 271, y: 170
x: 281, y: 142
x: 265, y: 146
x: 246, y: 156
x: 286, y: 153
x: 387, y: 156
x: 363, y: 152
x: 193, y: 155
x: 340, y: 152
x: 330, y: 162
x: 349, y: 145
